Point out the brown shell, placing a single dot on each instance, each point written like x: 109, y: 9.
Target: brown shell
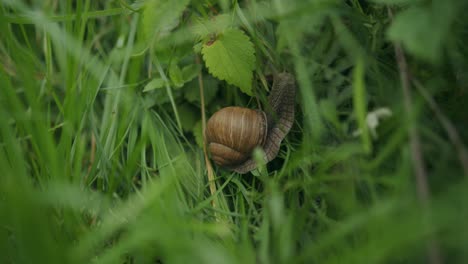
x: 232, y: 134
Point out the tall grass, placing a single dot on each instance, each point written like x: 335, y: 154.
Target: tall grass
x: 94, y: 170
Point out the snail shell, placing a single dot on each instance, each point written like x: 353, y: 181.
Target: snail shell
x: 233, y: 132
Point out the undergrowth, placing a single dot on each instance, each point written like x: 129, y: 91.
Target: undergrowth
x: 101, y: 146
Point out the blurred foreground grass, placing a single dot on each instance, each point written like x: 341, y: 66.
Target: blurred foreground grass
x: 94, y: 170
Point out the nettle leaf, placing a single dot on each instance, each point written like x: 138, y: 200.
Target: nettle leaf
x: 175, y: 74
x: 161, y: 16
x: 213, y: 25
x: 231, y: 58
x: 191, y: 71
x: 180, y: 76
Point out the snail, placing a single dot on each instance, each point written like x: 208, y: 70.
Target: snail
x: 232, y: 133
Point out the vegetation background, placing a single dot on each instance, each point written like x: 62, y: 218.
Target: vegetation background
x: 101, y: 157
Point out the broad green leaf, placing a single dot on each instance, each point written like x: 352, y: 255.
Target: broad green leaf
x: 413, y: 29
x: 422, y: 31
x: 181, y: 76
x: 161, y: 16
x: 210, y: 87
x: 156, y: 83
x: 176, y: 75
x: 190, y: 71
x: 231, y: 58
x: 214, y: 25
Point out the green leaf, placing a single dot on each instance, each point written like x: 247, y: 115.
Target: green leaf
x: 198, y: 133
x: 421, y: 31
x: 231, y: 58
x: 190, y: 71
x: 175, y: 74
x: 181, y: 76
x: 210, y: 87
x: 213, y: 25
x: 197, y: 47
x: 161, y: 16
x: 189, y: 115
x: 156, y: 83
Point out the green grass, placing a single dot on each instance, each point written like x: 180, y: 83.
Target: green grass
x: 94, y: 170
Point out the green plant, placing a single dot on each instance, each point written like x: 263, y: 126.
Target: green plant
x: 101, y: 117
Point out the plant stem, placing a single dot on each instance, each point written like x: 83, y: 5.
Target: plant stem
x: 423, y: 192
x: 452, y: 132
x: 209, y: 168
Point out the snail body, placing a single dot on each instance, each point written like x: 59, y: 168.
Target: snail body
x: 233, y: 132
